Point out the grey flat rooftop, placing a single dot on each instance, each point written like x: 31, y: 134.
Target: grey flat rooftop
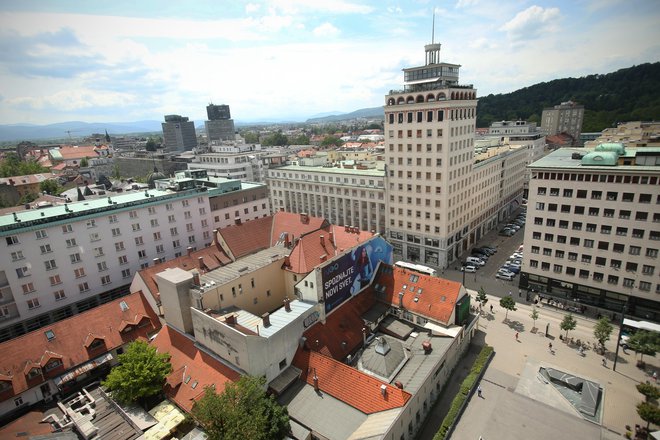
x: 396, y: 327
x: 562, y: 158
x: 382, y: 365
x: 332, y: 170
x: 249, y: 263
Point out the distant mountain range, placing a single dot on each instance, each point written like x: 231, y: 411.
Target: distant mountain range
x: 366, y: 113
x: 73, y: 129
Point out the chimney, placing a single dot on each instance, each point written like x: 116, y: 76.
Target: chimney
x: 304, y: 218
x: 189, y: 249
x: 364, y: 336
x: 287, y: 304
x: 287, y: 261
x: 195, y: 275
x: 230, y: 319
x: 287, y: 241
x: 11, y: 182
x: 400, y: 299
x: 266, y: 318
x: 383, y: 390
x: 200, y: 262
x: 322, y: 240
x: 426, y: 345
x: 316, y: 381
x: 332, y: 238
x: 346, y: 228
x: 398, y: 384
x: 237, y: 221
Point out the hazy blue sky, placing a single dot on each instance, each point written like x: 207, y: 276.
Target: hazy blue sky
x: 272, y: 60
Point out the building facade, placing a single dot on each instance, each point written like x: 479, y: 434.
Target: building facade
x: 592, y: 236
x: 178, y: 133
x: 566, y: 118
x: 220, y: 125
x: 232, y: 160
x: 439, y: 200
x: 346, y: 194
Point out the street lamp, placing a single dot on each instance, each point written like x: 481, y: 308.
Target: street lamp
x: 463, y: 270
x: 618, y: 340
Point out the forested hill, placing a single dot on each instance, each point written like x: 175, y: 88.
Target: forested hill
x: 630, y: 94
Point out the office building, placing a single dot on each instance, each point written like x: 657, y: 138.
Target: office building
x: 440, y: 200
x: 61, y: 260
x: 220, y: 125
x: 346, y: 192
x: 630, y: 134
x: 233, y: 160
x: 566, y: 118
x: 592, y: 236
x: 178, y: 133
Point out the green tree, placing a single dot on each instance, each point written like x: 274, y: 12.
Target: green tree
x: 602, y: 331
x: 151, y: 144
x: 331, y: 140
x: 276, y: 139
x: 12, y: 165
x: 568, y: 323
x: 645, y: 342
x: 650, y: 391
x: 84, y: 162
x: 116, y: 172
x: 481, y: 296
x: 140, y: 373
x: 534, y: 315
x: 251, y: 137
x: 242, y: 411
x: 51, y: 186
x: 301, y: 139
x: 649, y: 413
x: 508, y: 303
x: 28, y: 198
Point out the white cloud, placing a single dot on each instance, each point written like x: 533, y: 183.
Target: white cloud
x: 326, y: 30
x: 72, y: 100
x: 532, y: 23
x: 251, y: 8
x: 466, y: 3
x: 334, y: 6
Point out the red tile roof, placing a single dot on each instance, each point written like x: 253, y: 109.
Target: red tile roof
x: 342, y: 332
x: 212, y: 256
x: 70, y: 337
x: 188, y: 361
x: 79, y: 152
x: 249, y: 237
x: 29, y: 179
x: 436, y: 301
x: 351, y: 386
x: 294, y: 224
x: 307, y: 253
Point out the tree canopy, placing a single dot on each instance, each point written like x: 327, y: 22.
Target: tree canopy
x: 275, y: 139
x: 568, y: 323
x: 534, y: 315
x: 140, y: 373
x: 331, y: 140
x: 650, y: 391
x: 242, y: 411
x: 649, y: 413
x: 630, y: 94
x: 51, y: 187
x: 508, y: 303
x: 645, y: 342
x: 481, y: 296
x: 12, y: 165
x: 603, y: 330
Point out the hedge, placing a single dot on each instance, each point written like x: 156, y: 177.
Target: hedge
x: 466, y: 388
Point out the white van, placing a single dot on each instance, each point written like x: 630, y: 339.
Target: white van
x: 475, y: 260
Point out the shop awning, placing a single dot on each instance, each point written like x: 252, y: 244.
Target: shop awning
x: 83, y: 369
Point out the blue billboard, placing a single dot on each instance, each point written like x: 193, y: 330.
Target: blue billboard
x: 347, y: 275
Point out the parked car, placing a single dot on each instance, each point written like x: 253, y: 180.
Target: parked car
x: 480, y: 255
x: 516, y: 255
x: 470, y: 268
x: 491, y: 248
x: 475, y: 261
x: 512, y: 226
x: 505, y: 276
x: 514, y: 269
x: 507, y: 232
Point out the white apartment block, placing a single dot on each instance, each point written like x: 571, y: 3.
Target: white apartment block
x: 346, y: 194
x: 564, y: 118
x: 439, y: 200
x: 593, y: 228
x: 62, y: 260
x: 233, y: 161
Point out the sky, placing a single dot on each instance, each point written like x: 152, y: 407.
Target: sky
x: 274, y: 60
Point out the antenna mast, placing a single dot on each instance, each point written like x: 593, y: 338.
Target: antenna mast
x: 433, y: 28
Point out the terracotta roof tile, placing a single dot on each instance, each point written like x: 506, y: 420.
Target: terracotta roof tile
x: 436, y: 301
x: 295, y: 225
x: 342, y: 332
x: 69, y: 152
x: 70, y: 335
x: 213, y: 256
x: 196, y: 368
x: 248, y: 237
x: 353, y: 387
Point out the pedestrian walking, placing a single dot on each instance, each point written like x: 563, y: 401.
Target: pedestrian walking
x: 516, y: 336
x: 604, y: 362
x: 550, y: 347
x: 519, y: 293
x: 491, y: 308
x: 479, y: 391
x: 655, y: 376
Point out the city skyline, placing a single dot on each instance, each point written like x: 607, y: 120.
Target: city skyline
x: 289, y: 59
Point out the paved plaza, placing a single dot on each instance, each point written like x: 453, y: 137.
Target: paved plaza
x: 517, y: 404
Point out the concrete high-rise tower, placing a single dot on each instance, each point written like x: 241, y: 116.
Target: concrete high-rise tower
x: 179, y: 133
x: 220, y: 126
x: 429, y: 133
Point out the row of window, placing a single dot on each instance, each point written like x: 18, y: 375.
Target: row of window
x: 601, y: 178
x: 611, y: 196
x: 594, y: 211
x: 429, y: 116
x: 593, y: 227
x: 601, y: 245
x: 644, y: 286
x: 599, y: 261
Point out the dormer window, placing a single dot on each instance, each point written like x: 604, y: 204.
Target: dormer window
x: 5, y: 385
x: 53, y: 364
x: 34, y: 372
x: 96, y: 344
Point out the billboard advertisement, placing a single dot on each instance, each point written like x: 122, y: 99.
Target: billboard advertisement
x: 347, y: 275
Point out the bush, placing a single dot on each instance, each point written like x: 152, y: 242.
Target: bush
x: 467, y: 385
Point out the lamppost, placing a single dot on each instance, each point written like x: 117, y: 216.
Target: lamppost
x: 463, y: 270
x: 618, y: 340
